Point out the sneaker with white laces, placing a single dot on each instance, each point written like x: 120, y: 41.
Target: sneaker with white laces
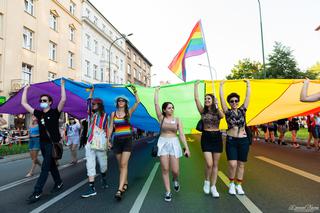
x: 91, y: 192
x: 176, y: 185
x: 214, y: 192
x: 206, y: 187
x: 168, y: 196
x: 34, y: 198
x: 239, y: 189
x: 56, y: 188
x: 232, y: 189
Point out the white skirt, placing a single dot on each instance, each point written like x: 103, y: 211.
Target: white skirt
x: 169, y: 146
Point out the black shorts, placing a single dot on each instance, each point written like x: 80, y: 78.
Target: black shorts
x: 122, y: 145
x: 211, y: 141
x: 237, y: 148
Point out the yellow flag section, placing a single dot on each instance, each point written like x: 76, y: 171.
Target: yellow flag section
x: 270, y: 100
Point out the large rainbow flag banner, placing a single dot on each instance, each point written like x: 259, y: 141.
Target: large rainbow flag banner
x: 194, y: 46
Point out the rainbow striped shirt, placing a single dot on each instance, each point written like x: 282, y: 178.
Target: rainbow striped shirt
x: 122, y: 127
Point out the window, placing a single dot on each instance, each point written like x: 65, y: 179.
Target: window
x: 70, y: 59
x: 87, y: 41
x: 129, y: 69
x: 87, y: 68
x: 88, y: 13
x: 135, y: 73
x: 52, y: 51
x: 103, y: 27
x: 27, y: 38
x: 95, y: 72
x: 51, y: 76
x: 26, y: 73
x: 144, y: 66
x: 71, y: 33
x: 117, y: 61
x: 95, y: 47
x: 134, y: 57
x: 103, y: 52
x: 101, y: 74
x: 72, y: 7
x: 53, y: 21
x: 121, y: 64
x: 139, y: 75
x: 95, y: 20
x: 139, y: 62
x: 28, y: 6
x: 128, y: 53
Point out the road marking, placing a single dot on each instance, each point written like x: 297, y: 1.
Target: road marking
x: 251, y: 207
x: 291, y: 169
x: 142, y: 195
x: 59, y: 197
x: 24, y: 180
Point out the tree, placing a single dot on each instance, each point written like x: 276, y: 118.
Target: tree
x: 314, y: 71
x: 282, y: 64
x: 246, y: 69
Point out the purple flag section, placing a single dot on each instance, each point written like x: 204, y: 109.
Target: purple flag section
x: 75, y: 105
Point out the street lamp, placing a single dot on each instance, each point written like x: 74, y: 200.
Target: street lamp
x: 123, y: 36
x: 262, y: 45
x: 215, y: 71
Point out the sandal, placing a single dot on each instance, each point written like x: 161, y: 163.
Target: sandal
x: 125, y: 187
x: 118, y: 195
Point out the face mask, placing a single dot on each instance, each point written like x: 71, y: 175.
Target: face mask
x: 44, y: 105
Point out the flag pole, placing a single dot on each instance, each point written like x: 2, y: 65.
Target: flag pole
x: 205, y: 44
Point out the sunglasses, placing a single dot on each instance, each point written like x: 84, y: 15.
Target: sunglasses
x: 121, y: 100
x: 94, y: 104
x: 234, y: 101
x: 43, y: 100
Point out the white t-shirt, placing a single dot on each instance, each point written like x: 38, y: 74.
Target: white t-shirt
x: 73, y: 130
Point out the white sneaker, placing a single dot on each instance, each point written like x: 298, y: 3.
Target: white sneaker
x: 206, y: 187
x: 232, y: 189
x: 214, y: 192
x: 239, y: 189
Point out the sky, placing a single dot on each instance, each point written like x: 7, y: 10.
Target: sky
x: 231, y: 27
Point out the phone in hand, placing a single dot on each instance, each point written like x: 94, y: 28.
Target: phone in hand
x: 186, y: 155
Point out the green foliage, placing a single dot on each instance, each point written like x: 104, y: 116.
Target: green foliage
x: 14, y: 149
x: 246, y: 69
x: 282, y: 64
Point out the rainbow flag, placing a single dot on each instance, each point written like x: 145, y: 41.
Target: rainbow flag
x: 194, y: 46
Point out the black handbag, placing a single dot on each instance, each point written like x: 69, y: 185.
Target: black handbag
x: 200, y: 126
x: 57, y: 148
x: 154, y: 150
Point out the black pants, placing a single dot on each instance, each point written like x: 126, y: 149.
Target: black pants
x: 48, y: 165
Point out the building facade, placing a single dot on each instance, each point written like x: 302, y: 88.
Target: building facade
x: 39, y: 41
x: 98, y: 34
x: 138, y: 67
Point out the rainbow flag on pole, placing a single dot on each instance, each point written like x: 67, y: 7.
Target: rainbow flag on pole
x: 194, y: 46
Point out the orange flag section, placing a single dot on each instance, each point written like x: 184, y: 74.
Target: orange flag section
x: 270, y: 100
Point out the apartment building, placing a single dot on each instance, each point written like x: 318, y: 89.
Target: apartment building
x: 101, y: 41
x: 39, y: 41
x: 138, y: 67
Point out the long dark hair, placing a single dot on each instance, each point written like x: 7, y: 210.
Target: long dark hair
x: 212, y: 107
x: 164, y: 106
x: 126, y: 108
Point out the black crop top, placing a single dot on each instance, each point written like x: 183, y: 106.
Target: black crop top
x: 234, y: 119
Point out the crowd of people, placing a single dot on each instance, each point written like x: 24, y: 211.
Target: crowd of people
x: 101, y: 132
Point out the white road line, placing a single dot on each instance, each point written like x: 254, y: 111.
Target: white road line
x: 243, y: 198
x: 139, y: 201
x: 59, y: 197
x: 24, y: 180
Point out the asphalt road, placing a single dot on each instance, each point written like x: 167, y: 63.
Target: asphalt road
x: 277, y: 179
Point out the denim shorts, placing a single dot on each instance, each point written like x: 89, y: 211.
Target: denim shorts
x: 34, y: 143
x: 237, y: 148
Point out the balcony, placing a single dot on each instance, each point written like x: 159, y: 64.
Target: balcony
x: 16, y: 85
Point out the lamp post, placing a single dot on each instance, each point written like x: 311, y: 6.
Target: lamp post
x: 112, y: 43
x: 215, y: 71
x: 262, y: 45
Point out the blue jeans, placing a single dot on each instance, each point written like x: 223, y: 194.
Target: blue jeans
x: 48, y: 165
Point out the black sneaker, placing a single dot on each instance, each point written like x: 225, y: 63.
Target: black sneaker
x: 91, y: 192
x: 104, y: 183
x: 33, y: 198
x: 284, y: 143
x: 57, y: 187
x: 176, y: 185
x: 168, y: 196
